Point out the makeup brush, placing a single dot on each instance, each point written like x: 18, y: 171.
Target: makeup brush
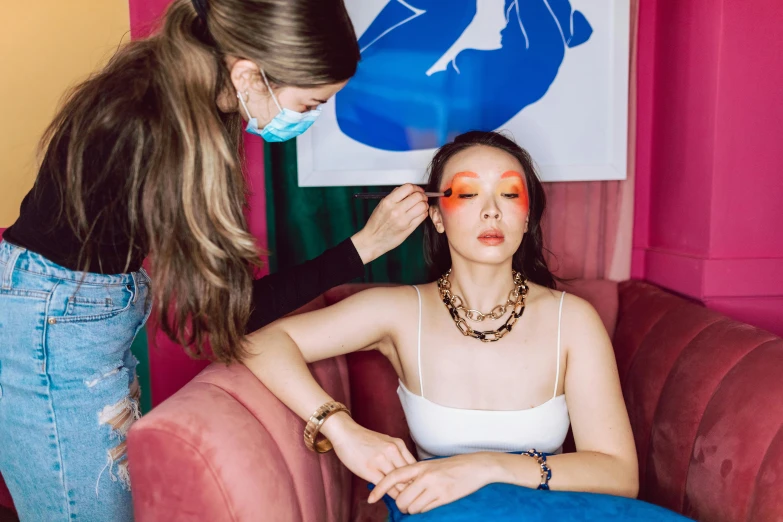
x: 381, y: 195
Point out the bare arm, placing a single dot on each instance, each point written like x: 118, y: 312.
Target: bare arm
x: 280, y: 352
x: 605, y: 461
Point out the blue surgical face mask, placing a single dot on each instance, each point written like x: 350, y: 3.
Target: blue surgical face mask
x: 286, y: 125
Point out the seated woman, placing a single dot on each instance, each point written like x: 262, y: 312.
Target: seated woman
x: 491, y: 359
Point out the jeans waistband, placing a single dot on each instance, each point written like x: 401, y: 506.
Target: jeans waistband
x: 16, y: 257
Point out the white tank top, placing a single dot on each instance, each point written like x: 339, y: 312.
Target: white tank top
x: 443, y: 431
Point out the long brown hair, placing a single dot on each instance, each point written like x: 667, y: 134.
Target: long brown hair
x: 529, y: 258
x: 171, y: 159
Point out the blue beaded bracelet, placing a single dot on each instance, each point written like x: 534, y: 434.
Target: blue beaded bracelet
x: 546, y: 473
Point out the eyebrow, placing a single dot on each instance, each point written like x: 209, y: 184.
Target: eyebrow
x: 466, y: 174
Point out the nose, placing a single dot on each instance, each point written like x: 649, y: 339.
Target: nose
x: 490, y: 210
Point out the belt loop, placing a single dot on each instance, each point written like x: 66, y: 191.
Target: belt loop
x: 9, y: 268
x: 135, y: 287
x: 145, y: 275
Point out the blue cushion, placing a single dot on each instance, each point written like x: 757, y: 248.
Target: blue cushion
x: 507, y: 503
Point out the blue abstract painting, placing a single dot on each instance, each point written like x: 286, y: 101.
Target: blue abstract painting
x: 432, y: 69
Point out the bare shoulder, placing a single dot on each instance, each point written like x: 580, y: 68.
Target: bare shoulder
x: 582, y: 328
x: 579, y: 318
x: 581, y: 315
x: 401, y: 297
x: 426, y: 289
x: 399, y: 306
x: 538, y: 295
x: 546, y: 301
x: 393, y: 301
x: 388, y: 295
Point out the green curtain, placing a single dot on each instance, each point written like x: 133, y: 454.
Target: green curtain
x: 140, y: 349
x: 303, y: 222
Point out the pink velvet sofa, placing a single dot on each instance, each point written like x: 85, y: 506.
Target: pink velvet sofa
x: 704, y: 394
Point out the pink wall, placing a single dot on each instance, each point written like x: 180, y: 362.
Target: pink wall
x: 709, y: 194
x: 170, y: 368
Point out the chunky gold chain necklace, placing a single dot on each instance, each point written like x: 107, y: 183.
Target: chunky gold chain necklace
x: 455, y: 304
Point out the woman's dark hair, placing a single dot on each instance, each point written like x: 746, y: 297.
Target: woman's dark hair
x: 529, y: 258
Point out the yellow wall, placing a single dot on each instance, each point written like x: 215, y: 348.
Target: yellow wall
x: 46, y: 46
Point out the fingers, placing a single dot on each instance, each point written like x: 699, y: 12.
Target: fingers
x: 406, y: 203
x: 386, y: 467
x: 411, y: 496
x: 416, y: 205
x: 375, y: 477
x: 413, y: 209
x: 397, y: 461
x: 408, y: 459
x: 398, y: 457
x: 418, y: 214
x: 399, y: 476
x: 422, y: 503
x: 407, y: 200
x: 397, y: 454
x: 384, y: 462
x: 403, y: 192
x: 398, y: 488
x: 413, y: 200
x: 432, y: 505
x: 407, y: 455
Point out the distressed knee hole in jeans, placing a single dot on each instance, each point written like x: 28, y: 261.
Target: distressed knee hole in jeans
x: 91, y: 383
x: 119, y: 417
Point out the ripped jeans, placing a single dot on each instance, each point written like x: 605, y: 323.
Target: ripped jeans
x: 68, y: 387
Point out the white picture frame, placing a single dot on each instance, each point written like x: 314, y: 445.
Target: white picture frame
x: 577, y: 131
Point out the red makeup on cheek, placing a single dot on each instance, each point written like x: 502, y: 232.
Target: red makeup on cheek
x: 513, y: 182
x: 460, y: 184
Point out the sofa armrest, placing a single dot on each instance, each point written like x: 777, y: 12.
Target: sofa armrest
x: 224, y: 448
x: 703, y: 396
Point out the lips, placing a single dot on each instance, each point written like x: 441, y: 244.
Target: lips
x: 491, y: 237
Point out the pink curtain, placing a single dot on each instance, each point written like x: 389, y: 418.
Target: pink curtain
x: 588, y: 226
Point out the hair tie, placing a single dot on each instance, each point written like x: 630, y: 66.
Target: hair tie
x: 201, y: 10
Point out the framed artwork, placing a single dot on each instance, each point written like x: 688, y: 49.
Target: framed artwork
x: 552, y: 74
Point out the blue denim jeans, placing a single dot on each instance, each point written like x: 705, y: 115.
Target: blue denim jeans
x: 68, y: 387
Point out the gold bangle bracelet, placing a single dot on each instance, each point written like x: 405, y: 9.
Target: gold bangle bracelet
x: 311, y: 433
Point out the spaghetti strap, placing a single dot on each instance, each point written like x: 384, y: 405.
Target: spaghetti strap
x: 559, y: 322
x: 421, y: 378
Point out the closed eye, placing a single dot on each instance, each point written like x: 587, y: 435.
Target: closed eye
x: 466, y: 196
x: 510, y: 196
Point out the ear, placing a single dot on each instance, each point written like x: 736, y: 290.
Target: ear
x: 437, y: 219
x: 527, y: 221
x: 246, y: 76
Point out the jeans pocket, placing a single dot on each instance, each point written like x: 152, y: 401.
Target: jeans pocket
x: 93, y: 302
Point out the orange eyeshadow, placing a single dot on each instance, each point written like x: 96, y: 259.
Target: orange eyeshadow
x: 513, y: 182
x: 461, y: 183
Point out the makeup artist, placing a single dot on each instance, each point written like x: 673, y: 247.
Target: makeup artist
x: 144, y: 159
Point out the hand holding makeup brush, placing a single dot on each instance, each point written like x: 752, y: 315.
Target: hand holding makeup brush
x: 381, y: 195
x: 394, y: 219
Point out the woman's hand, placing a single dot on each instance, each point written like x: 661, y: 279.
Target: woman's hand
x: 395, y: 217
x: 368, y: 454
x: 433, y: 483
